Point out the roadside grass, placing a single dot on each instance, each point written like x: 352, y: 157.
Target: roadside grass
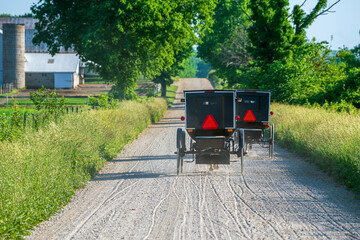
x: 329, y: 139
x: 68, y: 102
x: 13, y: 92
x: 40, y: 171
x: 170, y: 94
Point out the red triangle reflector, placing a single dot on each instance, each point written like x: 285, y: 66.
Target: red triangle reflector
x: 210, y: 123
x: 249, y: 116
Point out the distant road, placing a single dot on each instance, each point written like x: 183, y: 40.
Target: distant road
x: 139, y: 196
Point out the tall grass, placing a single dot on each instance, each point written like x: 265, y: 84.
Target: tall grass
x: 330, y: 139
x: 40, y: 171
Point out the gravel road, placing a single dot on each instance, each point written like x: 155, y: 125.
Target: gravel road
x: 139, y: 196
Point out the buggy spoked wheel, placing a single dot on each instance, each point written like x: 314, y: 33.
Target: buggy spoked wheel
x: 242, y: 160
x: 271, y: 141
x: 180, y: 145
x: 179, y: 164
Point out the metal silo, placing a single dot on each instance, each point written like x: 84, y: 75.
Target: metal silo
x: 14, y: 54
x: 1, y: 58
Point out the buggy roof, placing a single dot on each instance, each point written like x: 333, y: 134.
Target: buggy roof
x: 210, y: 90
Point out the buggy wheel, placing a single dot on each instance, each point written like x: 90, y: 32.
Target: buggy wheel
x: 178, y: 138
x: 181, y: 164
x: 242, y: 160
x: 180, y: 144
x: 183, y: 144
x: 192, y: 148
x: 178, y: 165
x: 271, y: 142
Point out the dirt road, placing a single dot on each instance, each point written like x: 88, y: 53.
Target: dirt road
x: 139, y: 196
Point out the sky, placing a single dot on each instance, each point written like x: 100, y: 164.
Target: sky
x: 343, y: 24
x: 340, y: 28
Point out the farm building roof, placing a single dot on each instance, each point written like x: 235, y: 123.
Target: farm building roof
x: 29, y: 34
x: 27, y: 21
x: 45, y: 63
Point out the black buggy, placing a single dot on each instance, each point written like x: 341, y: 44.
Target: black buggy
x: 223, y: 122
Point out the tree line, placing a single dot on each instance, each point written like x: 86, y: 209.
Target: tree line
x: 124, y: 39
x: 261, y: 44
x: 257, y: 44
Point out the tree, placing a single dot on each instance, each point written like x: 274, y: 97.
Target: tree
x: 189, y: 68
x: 271, y: 33
x: 301, y: 20
x: 25, y: 15
x: 122, y: 39
x: 225, y: 44
x: 164, y: 78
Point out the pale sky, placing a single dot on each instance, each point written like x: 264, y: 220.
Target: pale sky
x: 343, y: 24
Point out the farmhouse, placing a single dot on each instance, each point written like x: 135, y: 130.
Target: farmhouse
x: 22, y: 64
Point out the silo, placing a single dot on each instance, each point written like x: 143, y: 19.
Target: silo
x: 14, y: 54
x: 1, y: 59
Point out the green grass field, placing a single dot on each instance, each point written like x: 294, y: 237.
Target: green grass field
x: 68, y: 102
x: 95, y: 80
x: 329, y: 139
x: 9, y: 110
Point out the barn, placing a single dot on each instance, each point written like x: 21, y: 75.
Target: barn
x: 41, y: 69
x: 59, y: 71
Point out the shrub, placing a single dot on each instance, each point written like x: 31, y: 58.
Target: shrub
x: 103, y: 101
x: 304, y: 77
x: 49, y: 102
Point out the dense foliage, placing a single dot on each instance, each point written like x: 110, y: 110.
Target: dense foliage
x: 49, y: 102
x: 123, y: 39
x: 276, y: 55
x: 225, y: 44
x: 165, y: 77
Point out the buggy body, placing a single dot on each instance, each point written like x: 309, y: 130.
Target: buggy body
x: 222, y: 122
x: 210, y: 122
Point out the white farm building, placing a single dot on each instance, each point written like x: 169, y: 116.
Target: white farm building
x: 25, y: 65
x: 59, y: 71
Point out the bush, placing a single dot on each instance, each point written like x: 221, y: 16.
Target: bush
x: 123, y: 94
x: 303, y: 78
x: 103, y: 101
x: 50, y: 102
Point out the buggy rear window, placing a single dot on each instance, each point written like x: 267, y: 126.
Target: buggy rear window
x: 209, y: 103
